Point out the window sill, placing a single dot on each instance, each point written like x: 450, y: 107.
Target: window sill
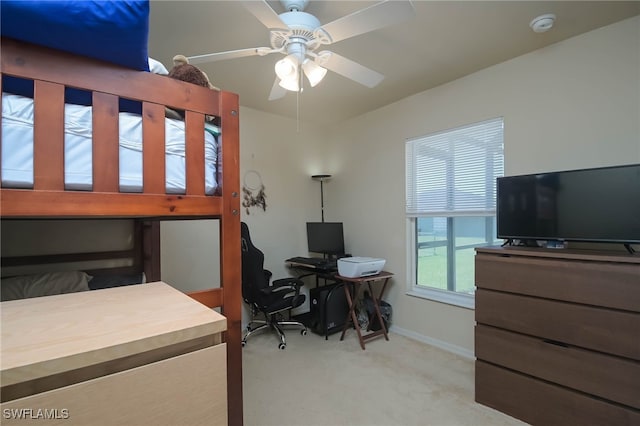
x: 467, y: 301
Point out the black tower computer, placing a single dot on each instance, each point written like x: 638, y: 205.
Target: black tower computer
x: 329, y: 309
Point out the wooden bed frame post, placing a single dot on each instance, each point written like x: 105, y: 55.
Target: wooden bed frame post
x: 231, y: 261
x: 150, y: 251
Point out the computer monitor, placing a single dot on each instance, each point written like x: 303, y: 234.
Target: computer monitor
x: 325, y: 237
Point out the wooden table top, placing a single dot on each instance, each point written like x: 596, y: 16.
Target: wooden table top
x: 53, y: 334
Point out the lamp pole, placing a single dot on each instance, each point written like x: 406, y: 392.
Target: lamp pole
x: 321, y: 178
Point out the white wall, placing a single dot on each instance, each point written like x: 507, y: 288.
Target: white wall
x: 285, y: 157
x: 571, y: 105
x: 190, y: 254
x: 285, y: 154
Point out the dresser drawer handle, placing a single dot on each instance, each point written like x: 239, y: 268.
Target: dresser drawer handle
x: 555, y: 343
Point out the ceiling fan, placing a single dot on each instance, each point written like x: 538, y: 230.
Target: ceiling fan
x: 299, y: 35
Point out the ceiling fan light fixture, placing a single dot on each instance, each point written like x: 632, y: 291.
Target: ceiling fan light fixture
x: 287, y: 67
x: 314, y: 72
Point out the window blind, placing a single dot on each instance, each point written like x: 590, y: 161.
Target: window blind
x: 453, y: 172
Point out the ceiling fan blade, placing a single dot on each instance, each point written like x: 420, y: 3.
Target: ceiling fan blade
x: 348, y: 68
x: 264, y: 13
x: 277, y: 91
x: 231, y: 54
x: 377, y: 16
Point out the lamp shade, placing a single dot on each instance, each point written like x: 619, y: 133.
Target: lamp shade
x: 287, y: 67
x: 314, y: 72
x: 290, y: 83
x: 288, y: 70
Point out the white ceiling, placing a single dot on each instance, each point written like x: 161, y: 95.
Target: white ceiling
x: 446, y: 40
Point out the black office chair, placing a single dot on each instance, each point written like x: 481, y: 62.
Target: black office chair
x: 272, y: 300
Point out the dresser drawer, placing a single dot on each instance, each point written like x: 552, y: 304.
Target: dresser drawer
x: 588, y: 327
x: 538, y: 402
x: 607, y: 284
x: 189, y: 389
x: 612, y: 378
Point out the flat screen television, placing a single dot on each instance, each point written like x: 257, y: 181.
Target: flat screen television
x: 592, y: 205
x: 325, y: 238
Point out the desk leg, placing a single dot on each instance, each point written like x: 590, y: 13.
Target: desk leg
x: 352, y: 306
x: 376, y: 306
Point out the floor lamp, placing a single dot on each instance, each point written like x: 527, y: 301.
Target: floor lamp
x: 321, y: 178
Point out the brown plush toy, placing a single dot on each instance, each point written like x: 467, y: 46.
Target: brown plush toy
x: 184, y: 71
x: 189, y: 73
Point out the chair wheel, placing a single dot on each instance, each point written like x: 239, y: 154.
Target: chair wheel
x: 244, y: 343
x: 282, y: 346
x: 303, y: 332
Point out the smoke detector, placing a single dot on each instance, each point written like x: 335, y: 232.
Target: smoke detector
x: 542, y: 23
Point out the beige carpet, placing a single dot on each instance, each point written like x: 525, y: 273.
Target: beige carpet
x: 334, y: 383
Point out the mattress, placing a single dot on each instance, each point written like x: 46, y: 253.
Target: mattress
x: 17, y: 149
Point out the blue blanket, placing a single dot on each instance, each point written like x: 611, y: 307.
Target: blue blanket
x: 113, y: 31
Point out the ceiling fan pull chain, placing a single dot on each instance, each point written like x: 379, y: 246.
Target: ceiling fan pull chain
x: 298, y: 111
x: 300, y: 82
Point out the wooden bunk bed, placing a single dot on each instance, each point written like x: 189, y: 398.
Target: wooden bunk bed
x: 52, y: 71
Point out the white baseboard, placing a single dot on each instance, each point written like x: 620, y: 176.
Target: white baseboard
x: 458, y: 350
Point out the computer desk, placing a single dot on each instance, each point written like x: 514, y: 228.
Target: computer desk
x: 307, y: 270
x: 353, y: 296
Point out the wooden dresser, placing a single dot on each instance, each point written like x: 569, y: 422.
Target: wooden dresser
x: 134, y: 355
x: 557, y: 338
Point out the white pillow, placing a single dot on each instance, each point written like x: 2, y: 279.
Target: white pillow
x: 156, y: 67
x: 27, y: 286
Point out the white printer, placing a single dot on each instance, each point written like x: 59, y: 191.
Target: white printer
x: 355, y: 267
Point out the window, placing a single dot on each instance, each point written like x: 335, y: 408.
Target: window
x: 450, y: 205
